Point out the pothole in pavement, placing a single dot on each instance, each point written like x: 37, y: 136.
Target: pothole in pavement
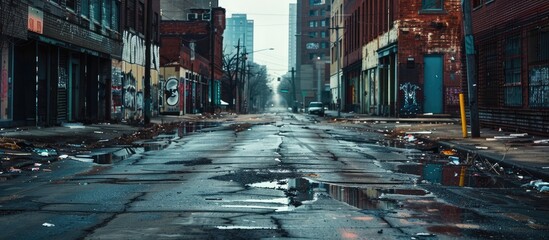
x: 108, y: 155
x: 437, y: 164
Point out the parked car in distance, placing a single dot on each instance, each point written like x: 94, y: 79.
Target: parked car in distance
x: 316, y: 108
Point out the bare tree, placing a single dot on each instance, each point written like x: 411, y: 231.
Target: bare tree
x: 230, y: 78
x: 259, y: 90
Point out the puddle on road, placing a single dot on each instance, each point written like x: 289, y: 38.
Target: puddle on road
x: 301, y: 190
x: 185, y: 128
x: 437, y: 165
x: 110, y: 154
x: 414, y: 203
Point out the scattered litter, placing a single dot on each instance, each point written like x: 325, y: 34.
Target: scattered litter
x: 448, y: 152
x: 37, y: 164
x: 542, y: 141
x: 410, y: 138
x: 34, y: 169
x: 539, y: 185
x: 425, y: 234
x: 454, y: 160
x: 46, y: 224
x: 15, y: 170
x: 420, y: 132
x: 481, y: 147
x: 63, y: 156
x: 98, y: 132
x: 518, y: 134
x: 73, y: 125
x: 10, y: 145
x: 504, y: 137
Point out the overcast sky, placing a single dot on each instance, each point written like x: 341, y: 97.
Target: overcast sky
x: 270, y: 30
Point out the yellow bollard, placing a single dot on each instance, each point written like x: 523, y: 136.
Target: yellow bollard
x: 462, y: 176
x: 463, y: 118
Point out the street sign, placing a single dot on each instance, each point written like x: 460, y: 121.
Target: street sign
x: 284, y: 90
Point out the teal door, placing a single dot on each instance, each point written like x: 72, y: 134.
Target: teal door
x: 433, y: 84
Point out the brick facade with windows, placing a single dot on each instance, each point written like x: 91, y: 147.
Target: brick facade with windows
x: 512, y: 44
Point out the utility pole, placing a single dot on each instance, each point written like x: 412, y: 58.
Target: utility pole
x: 471, y: 69
x: 235, y: 88
x: 294, y: 98
x: 212, y: 60
x: 148, y: 31
x: 338, y: 69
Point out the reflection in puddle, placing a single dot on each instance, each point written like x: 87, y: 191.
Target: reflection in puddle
x: 405, y: 202
x: 189, y: 127
x: 300, y: 190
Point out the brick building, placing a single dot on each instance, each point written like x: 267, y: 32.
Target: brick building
x: 313, y: 51
x: 185, y: 59
x: 400, y: 58
x: 74, y: 61
x: 512, y: 43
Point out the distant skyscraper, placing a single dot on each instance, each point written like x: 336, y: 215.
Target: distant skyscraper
x: 313, y: 50
x: 239, y: 27
x: 292, y: 50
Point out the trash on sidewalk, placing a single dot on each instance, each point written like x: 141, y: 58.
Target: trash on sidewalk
x: 544, y: 141
x: 45, y: 152
x: 420, y: 132
x: 10, y: 145
x: 539, y: 185
x: 46, y: 224
x: 448, y: 152
x: 410, y: 138
x: 73, y: 125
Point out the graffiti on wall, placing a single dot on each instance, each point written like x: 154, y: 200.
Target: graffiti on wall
x: 116, y: 99
x: 63, y: 77
x: 171, y: 91
x: 539, y: 86
x: 411, y: 105
x: 130, y: 91
x: 452, y: 95
x: 134, y: 51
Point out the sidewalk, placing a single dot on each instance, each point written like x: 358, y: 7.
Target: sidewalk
x: 507, y: 149
x: 21, y: 148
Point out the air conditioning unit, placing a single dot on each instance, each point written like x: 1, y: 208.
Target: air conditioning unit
x: 192, y: 16
x: 206, y: 16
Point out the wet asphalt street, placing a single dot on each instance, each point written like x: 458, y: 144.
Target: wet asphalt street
x: 291, y: 177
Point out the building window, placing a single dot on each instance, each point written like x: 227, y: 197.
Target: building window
x: 95, y: 10
x: 512, y: 86
x: 538, y: 60
x: 106, y: 13
x: 432, y: 5
x: 312, y: 34
x: 316, y: 2
x: 141, y: 18
x: 476, y: 3
x: 85, y: 8
x: 324, y: 23
x: 323, y: 34
x: 115, y: 16
x: 71, y: 4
